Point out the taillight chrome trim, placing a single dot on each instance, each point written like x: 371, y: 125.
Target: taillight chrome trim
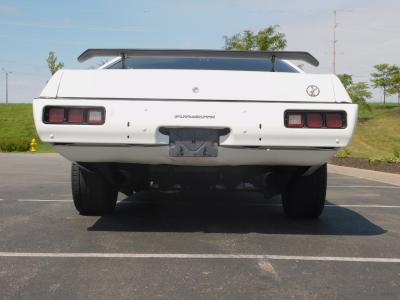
x: 323, y: 112
x: 45, y: 114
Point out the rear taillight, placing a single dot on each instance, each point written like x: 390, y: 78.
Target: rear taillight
x: 74, y: 115
x: 295, y: 119
x: 315, y: 119
x: 56, y: 115
x: 334, y: 120
x: 95, y: 116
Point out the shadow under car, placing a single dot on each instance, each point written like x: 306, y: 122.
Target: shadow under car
x: 226, y: 212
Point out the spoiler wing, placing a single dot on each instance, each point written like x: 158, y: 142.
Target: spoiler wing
x: 289, y: 55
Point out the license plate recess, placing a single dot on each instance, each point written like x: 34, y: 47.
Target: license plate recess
x: 193, y: 142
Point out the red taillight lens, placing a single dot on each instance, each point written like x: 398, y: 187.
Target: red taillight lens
x: 334, y: 120
x: 76, y: 115
x: 95, y: 116
x: 56, y: 115
x: 295, y: 120
x: 314, y: 120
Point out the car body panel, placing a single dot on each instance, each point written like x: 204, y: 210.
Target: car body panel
x: 250, y: 123
x: 192, y: 85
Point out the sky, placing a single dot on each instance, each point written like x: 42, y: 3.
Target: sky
x: 368, y: 32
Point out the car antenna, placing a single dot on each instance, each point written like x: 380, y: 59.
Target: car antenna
x: 273, y: 63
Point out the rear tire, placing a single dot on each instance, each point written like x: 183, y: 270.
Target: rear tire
x: 305, y: 196
x: 92, y: 194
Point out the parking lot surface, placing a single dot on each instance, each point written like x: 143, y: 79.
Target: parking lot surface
x: 190, y: 245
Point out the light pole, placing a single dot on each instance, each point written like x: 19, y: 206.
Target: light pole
x: 335, y: 25
x: 334, y: 42
x: 6, y: 73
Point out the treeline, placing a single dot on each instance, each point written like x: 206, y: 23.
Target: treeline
x: 386, y: 77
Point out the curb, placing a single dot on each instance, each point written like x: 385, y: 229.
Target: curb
x: 5, y: 154
x: 383, y: 177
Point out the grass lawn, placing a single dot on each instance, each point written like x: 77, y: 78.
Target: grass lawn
x: 17, y: 128
x: 378, y: 133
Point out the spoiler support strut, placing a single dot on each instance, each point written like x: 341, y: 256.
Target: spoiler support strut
x: 273, y: 63
x: 123, y: 57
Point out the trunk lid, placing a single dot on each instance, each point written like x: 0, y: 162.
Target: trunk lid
x: 195, y: 85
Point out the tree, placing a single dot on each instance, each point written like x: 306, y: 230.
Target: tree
x: 394, y: 87
x: 346, y: 79
x: 52, y: 63
x: 359, y: 92
x: 265, y: 39
x: 381, y: 79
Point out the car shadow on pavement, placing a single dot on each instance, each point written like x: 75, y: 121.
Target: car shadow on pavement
x: 225, y: 212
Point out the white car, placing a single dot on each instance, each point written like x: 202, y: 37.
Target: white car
x: 186, y: 119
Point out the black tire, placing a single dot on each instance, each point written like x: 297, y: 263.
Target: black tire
x: 92, y: 194
x: 305, y: 196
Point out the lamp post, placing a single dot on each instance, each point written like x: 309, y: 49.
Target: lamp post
x: 6, y: 73
x: 335, y: 25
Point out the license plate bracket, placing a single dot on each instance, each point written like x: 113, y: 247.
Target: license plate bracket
x: 193, y: 142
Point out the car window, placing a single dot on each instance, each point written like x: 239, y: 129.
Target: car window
x: 203, y: 63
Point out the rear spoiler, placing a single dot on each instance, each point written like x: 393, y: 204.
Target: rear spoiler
x: 289, y: 55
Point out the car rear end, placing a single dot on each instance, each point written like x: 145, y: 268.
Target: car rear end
x: 161, y: 128
x: 259, y: 118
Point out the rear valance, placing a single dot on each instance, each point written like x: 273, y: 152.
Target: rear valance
x: 289, y: 55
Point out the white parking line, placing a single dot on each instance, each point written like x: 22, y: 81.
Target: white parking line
x: 363, y: 205
x: 365, y: 186
x: 43, y: 200
x: 341, y: 205
x: 363, y: 195
x: 198, y: 256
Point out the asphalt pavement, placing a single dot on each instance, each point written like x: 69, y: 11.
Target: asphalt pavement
x: 220, y: 245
